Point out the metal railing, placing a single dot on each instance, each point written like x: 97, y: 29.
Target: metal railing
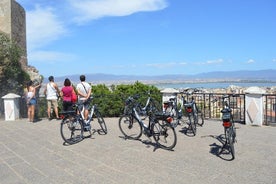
x: 204, y: 101
x: 211, y: 109
x: 269, y: 109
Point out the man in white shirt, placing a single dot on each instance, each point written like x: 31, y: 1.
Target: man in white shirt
x: 52, y: 93
x: 84, y: 92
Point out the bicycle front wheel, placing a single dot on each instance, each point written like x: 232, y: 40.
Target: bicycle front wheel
x: 101, y: 121
x: 200, y: 117
x: 164, y: 134
x: 130, y: 127
x: 71, y: 130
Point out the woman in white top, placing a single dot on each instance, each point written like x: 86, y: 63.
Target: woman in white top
x: 31, y: 100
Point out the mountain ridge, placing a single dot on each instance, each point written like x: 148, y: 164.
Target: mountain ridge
x: 238, y: 75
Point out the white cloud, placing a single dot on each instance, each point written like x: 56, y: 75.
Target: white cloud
x: 210, y: 62
x: 43, y: 27
x: 214, y: 61
x: 50, y: 56
x: 89, y: 10
x: 274, y: 60
x: 250, y: 61
x: 165, y: 65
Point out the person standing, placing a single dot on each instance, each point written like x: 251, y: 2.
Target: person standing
x: 31, y: 100
x: 66, y: 94
x: 84, y: 92
x: 52, y: 93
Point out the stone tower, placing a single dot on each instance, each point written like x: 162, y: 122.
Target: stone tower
x: 13, y: 23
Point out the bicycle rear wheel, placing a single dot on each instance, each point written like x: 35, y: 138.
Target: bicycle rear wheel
x: 130, y: 127
x: 192, y: 123
x: 101, y: 121
x: 230, y: 139
x: 164, y: 134
x: 71, y: 130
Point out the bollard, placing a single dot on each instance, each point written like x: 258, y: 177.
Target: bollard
x: 11, y: 106
x: 254, y: 106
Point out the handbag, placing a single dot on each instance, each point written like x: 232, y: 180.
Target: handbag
x: 74, y: 96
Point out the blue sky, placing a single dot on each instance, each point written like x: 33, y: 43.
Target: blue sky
x: 150, y: 37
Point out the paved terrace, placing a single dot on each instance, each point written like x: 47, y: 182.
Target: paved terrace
x: 35, y: 153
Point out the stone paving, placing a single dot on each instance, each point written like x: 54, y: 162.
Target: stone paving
x: 35, y: 153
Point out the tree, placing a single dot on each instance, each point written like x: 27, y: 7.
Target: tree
x: 111, y: 100
x: 12, y: 76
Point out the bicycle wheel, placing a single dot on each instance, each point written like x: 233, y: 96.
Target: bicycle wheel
x: 130, y: 127
x: 71, y: 130
x: 230, y: 140
x: 164, y: 134
x: 192, y: 123
x: 200, y: 116
x: 101, y: 121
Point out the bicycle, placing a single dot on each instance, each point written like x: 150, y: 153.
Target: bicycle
x: 149, y: 106
x: 73, y: 124
x: 192, y: 112
x: 229, y: 127
x: 171, y: 107
x: 190, y: 92
x: 132, y: 126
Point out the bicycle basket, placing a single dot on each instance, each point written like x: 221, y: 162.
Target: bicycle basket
x: 226, y: 116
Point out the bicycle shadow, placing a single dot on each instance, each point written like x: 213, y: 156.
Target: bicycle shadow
x: 219, y: 150
x: 149, y: 143
x: 187, y: 131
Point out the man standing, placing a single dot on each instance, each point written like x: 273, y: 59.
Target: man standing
x: 84, y: 92
x: 52, y: 93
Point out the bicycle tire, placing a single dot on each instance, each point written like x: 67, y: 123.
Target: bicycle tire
x: 164, y: 134
x: 101, y: 121
x: 71, y: 130
x: 130, y: 127
x: 192, y: 123
x: 231, y: 142
x: 200, y: 116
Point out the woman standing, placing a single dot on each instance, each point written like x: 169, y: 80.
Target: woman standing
x: 31, y: 100
x: 66, y: 93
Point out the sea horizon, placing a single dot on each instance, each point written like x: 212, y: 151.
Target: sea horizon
x: 214, y: 85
